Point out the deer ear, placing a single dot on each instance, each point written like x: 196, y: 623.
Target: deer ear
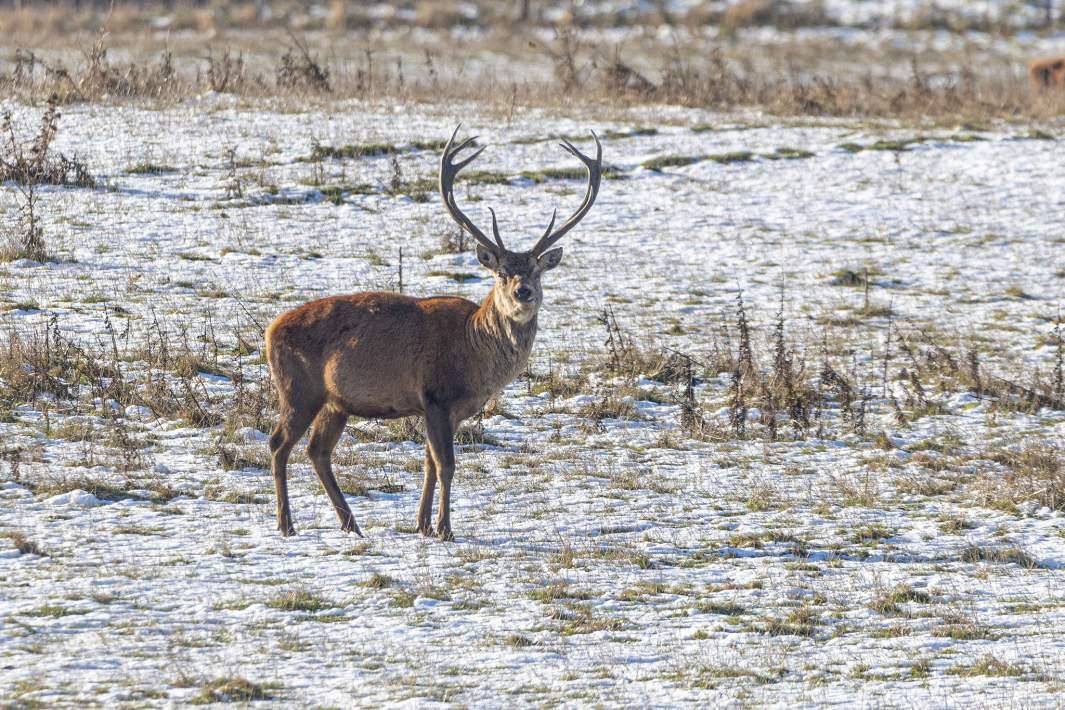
x: 488, y: 258
x: 550, y: 259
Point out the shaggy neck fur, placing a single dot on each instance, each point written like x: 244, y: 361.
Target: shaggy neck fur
x: 503, y: 341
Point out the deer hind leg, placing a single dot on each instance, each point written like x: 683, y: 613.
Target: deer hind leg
x: 425, y: 505
x: 324, y: 437
x: 442, y: 446
x: 290, y: 428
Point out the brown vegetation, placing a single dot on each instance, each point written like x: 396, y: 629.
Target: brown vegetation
x: 286, y: 56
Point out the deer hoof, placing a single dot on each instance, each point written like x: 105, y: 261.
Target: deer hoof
x: 287, y: 530
x: 446, y: 535
x: 426, y: 530
x: 347, y: 524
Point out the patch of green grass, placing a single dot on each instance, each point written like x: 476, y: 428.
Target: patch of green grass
x: 757, y: 541
x: 902, y: 594
x: 987, y: 665
x: 921, y: 668
x: 801, y: 621
x: 1017, y: 292
x: 962, y: 632
x: 299, y: 600
x: 555, y: 592
x: 720, y: 608
x: 788, y: 154
x: 148, y: 168
x: 403, y: 599
x: 332, y: 193
x: 517, y: 641
x: 946, y: 444
x: 739, y: 156
x: 956, y: 525
x: 138, y: 530
x: 575, y: 173
x: 104, y: 490
x: 1037, y: 134
x: 892, y: 632
x: 776, y: 627
x: 220, y: 494
x: 21, y: 306
x: 869, y: 533
x: 1003, y: 555
x: 854, y: 277
x: 353, y: 150
x: 377, y: 581
x: 668, y: 161
x: 898, y: 146
x: 871, y: 310
x: 23, y: 544
x: 485, y: 177
x: 230, y: 689
x: 645, y: 590
x: 580, y: 619
x: 54, y: 611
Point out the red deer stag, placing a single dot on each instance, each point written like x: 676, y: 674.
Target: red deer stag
x: 382, y: 355
x: 1047, y: 73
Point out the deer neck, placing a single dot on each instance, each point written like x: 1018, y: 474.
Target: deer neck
x: 501, y: 343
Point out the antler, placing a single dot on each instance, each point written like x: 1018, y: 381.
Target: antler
x: 448, y: 171
x: 595, y: 174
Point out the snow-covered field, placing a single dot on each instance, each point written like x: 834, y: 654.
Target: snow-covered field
x: 604, y: 553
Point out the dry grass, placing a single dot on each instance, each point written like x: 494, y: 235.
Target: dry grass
x: 224, y: 17
x: 1035, y: 473
x: 293, y: 54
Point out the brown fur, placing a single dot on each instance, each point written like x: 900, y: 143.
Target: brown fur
x: 383, y: 355
x: 1047, y: 73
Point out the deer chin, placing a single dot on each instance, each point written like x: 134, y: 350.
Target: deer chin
x: 525, y: 313
x: 517, y: 312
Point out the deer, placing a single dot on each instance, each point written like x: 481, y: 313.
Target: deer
x: 1047, y: 73
x: 383, y: 355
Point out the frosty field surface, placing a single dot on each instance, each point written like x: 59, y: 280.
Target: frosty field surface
x: 603, y: 554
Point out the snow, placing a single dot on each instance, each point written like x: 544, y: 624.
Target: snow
x: 76, y: 497
x: 682, y: 567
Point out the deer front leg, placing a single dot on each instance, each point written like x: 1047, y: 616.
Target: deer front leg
x: 441, y: 445
x: 425, y: 505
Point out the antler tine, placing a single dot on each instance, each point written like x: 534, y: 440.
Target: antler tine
x: 550, y: 224
x: 495, y: 229
x: 570, y: 148
x: 594, y: 166
x: 448, y: 171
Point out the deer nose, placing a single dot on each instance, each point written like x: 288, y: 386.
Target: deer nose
x: 523, y: 294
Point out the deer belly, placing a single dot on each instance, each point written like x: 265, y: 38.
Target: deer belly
x: 369, y: 406
x: 383, y: 389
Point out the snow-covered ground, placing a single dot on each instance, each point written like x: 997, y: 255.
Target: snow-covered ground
x: 599, y: 560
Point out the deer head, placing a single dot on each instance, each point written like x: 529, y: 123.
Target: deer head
x: 518, y: 293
